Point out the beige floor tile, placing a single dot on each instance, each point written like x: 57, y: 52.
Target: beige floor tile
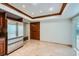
x: 38, y: 48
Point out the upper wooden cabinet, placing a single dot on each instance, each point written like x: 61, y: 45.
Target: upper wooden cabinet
x: 3, y: 25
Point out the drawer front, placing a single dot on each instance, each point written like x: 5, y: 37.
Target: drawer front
x: 2, y: 49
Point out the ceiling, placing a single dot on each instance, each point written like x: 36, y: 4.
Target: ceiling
x: 37, y: 10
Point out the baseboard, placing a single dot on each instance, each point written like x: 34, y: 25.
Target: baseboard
x: 69, y: 45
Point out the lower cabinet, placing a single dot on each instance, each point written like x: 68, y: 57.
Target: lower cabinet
x: 2, y: 49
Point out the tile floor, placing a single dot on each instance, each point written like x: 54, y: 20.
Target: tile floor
x: 39, y: 48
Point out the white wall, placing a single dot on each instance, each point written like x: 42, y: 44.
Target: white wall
x: 59, y: 31
x: 28, y: 31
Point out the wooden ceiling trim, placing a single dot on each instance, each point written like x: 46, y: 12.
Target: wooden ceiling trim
x: 42, y: 16
x: 62, y: 8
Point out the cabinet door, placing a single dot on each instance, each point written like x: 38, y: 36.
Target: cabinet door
x: 1, y: 48
x: 0, y: 25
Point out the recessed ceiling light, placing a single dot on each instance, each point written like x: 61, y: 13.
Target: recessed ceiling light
x: 23, y: 6
x: 34, y: 4
x: 41, y: 11
x: 50, y: 9
x: 32, y: 13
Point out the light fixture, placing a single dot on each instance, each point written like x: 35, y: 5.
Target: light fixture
x: 32, y: 13
x: 34, y: 4
x: 41, y: 11
x: 50, y: 9
x: 23, y: 6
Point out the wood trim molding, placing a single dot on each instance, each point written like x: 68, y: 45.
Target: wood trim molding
x: 62, y: 8
x: 55, y: 14
x: 19, y: 20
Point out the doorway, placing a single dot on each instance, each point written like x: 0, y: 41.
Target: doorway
x: 35, y: 30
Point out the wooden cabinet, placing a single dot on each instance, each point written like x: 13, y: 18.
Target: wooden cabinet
x: 2, y: 46
x: 3, y: 29
x: 3, y: 25
x: 3, y: 32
